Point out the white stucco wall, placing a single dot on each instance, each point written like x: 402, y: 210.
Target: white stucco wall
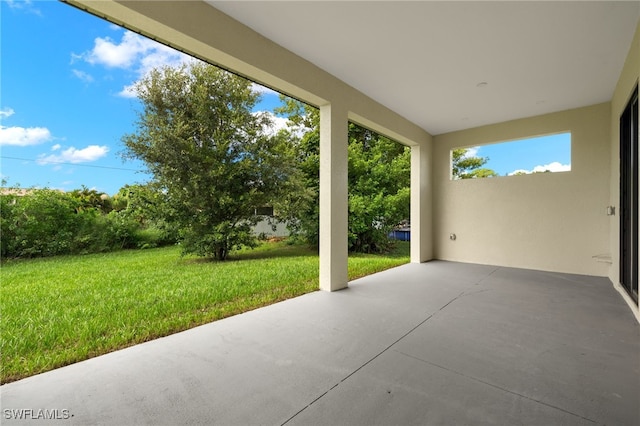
x: 549, y: 221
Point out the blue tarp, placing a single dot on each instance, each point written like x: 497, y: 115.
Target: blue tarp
x: 401, y: 234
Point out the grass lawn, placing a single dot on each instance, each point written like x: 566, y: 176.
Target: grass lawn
x: 61, y: 310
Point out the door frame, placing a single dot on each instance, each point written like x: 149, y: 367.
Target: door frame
x: 629, y: 195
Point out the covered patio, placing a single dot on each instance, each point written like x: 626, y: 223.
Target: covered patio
x: 438, y: 343
x: 437, y: 76
x: 529, y: 316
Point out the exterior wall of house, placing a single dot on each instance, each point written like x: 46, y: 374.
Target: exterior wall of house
x: 264, y: 228
x: 547, y: 221
x: 626, y: 83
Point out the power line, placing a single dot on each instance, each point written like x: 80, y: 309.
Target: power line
x: 71, y: 164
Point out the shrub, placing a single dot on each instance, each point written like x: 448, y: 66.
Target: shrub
x: 41, y: 223
x: 7, y: 224
x: 122, y: 230
x: 45, y: 222
x: 149, y: 238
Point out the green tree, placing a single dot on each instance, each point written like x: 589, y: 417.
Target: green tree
x: 213, y: 158
x: 145, y: 210
x: 469, y: 167
x: 379, y: 189
x: 92, y: 199
x: 303, y: 217
x: 379, y: 175
x: 144, y: 203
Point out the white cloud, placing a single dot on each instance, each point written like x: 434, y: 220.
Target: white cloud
x: 278, y: 123
x: 160, y: 55
x: 56, y: 147
x: 26, y: 5
x: 551, y: 167
x: 117, y: 55
x: 75, y: 57
x: 75, y: 156
x: 519, y: 172
x: 87, y: 78
x: 18, y: 4
x: 21, y: 136
x: 128, y: 91
x: 262, y: 89
x: 133, y: 52
x: 471, y: 152
x: 139, y: 54
x: 6, y: 112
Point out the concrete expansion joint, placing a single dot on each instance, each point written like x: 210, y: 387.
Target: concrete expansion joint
x: 493, y: 385
x: 472, y: 289
x: 486, y: 277
x: 374, y: 357
x: 471, y: 292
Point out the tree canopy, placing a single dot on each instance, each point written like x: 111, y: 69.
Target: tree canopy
x: 213, y: 157
x: 378, y: 183
x: 469, y: 167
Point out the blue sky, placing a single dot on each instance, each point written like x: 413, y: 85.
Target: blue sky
x: 63, y: 100
x: 549, y: 152
x: 65, y: 103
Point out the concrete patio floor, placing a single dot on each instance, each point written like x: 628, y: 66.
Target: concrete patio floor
x: 438, y: 343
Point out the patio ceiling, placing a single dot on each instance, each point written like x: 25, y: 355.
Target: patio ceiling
x: 449, y: 66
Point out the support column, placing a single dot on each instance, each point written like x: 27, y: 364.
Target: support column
x: 421, y: 244
x: 333, y: 197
